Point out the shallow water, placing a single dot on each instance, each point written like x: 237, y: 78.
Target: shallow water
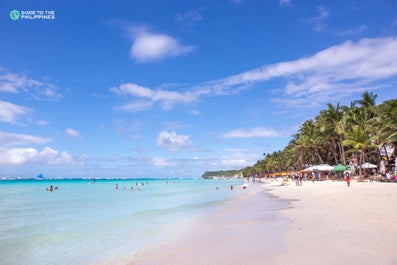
x: 93, y: 223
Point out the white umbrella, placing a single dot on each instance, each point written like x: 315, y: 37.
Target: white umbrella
x: 308, y: 169
x: 368, y: 165
x: 324, y: 167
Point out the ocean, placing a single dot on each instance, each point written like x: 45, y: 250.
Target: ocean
x: 86, y: 222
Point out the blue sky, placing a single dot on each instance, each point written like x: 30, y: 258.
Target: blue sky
x: 175, y: 88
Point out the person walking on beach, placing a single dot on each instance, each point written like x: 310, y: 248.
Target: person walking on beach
x: 347, y: 177
x: 296, y: 178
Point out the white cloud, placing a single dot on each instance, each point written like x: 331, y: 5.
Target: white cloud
x: 16, y: 83
x: 10, y: 112
x: 42, y: 123
x: 13, y: 83
x: 195, y: 112
x: 172, y: 142
x: 161, y: 162
x: 19, y: 156
x: 189, y: 19
x: 318, y: 22
x: 334, y: 72
x: 133, y: 90
x: 135, y: 106
x: 351, y: 31
x: 148, y: 97
x: 234, y: 162
x: 252, y: 133
x: 15, y: 139
x: 149, y: 46
x: 328, y: 75
x: 12, y: 151
x: 72, y: 132
x: 236, y: 159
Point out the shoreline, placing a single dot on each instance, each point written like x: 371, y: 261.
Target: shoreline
x: 318, y: 223
x: 243, y: 231
x: 336, y: 224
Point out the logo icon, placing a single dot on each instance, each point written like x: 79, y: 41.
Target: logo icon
x: 14, y: 14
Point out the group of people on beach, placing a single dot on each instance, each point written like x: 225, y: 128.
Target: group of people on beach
x: 298, y: 179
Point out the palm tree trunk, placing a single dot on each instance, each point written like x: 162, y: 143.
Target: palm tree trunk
x: 342, y: 151
x: 361, y: 161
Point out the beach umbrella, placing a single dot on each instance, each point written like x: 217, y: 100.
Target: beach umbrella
x: 308, y: 169
x: 323, y: 167
x: 368, y: 165
x: 339, y: 168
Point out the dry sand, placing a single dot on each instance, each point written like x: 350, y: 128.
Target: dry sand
x: 336, y: 224
x: 321, y: 223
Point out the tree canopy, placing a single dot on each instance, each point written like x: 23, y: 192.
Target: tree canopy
x: 337, y: 135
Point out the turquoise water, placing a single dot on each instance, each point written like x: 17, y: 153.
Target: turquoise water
x: 93, y: 223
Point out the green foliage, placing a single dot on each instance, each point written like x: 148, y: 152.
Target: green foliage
x: 338, y: 135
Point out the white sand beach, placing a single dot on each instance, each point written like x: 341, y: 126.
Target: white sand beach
x: 325, y: 223
x: 245, y: 231
x: 336, y: 224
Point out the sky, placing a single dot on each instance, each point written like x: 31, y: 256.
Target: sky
x: 131, y: 89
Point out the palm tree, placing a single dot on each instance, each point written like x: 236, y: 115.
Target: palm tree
x: 330, y: 122
x: 358, y: 141
x: 309, y: 141
x: 386, y: 124
x: 367, y: 101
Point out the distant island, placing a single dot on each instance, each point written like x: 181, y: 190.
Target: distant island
x: 221, y: 174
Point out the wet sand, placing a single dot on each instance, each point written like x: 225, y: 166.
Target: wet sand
x: 244, y: 231
x: 317, y: 223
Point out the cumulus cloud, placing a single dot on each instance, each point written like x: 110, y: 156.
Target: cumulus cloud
x: 72, y: 133
x: 14, y: 151
x: 19, y: 156
x: 172, y: 142
x: 10, y: 113
x: 148, y: 46
x: 147, y: 97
